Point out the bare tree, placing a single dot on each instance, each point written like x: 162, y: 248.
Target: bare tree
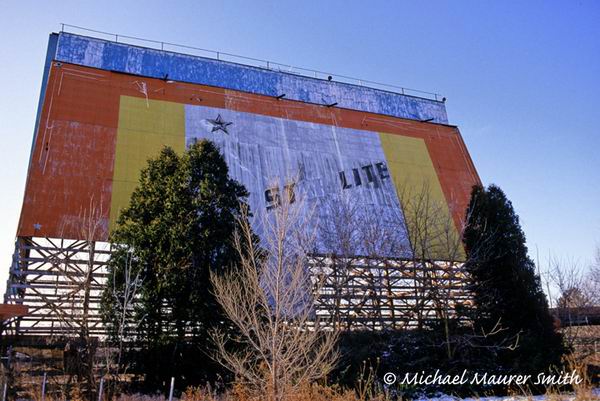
x: 355, y: 245
x: 269, y: 297
x: 418, y: 247
x: 574, y: 283
x: 378, y: 258
x: 438, y: 255
x: 431, y: 228
x: 594, y: 277
x: 577, y: 295
x: 126, y: 285
x: 339, y: 226
x: 569, y: 279
x: 78, y: 312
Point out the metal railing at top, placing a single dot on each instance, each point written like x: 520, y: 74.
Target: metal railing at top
x: 255, y: 62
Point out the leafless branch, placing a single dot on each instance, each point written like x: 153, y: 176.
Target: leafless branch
x: 269, y: 297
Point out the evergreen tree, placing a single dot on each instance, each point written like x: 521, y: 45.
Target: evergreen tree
x: 176, y: 230
x: 506, y: 286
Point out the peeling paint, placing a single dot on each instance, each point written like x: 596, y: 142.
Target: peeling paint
x: 120, y: 57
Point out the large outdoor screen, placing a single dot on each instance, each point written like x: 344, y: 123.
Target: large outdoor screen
x: 98, y: 128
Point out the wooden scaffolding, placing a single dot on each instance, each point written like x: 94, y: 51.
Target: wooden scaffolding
x: 61, y: 282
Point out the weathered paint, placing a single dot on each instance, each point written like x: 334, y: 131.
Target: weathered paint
x: 411, y: 166
x: 50, y: 52
x: 325, y: 165
x: 9, y: 311
x: 416, y: 181
x: 145, y: 127
x: 120, y: 57
x: 73, y: 156
x: 76, y: 146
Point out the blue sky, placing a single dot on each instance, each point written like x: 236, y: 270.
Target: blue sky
x: 522, y: 81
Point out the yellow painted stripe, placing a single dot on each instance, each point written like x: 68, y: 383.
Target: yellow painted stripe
x: 418, y: 186
x: 144, y: 128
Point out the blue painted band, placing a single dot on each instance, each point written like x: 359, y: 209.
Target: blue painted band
x: 120, y: 57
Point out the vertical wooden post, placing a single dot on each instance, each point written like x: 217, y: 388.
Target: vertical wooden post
x: 171, y: 390
x: 44, y: 387
x: 101, y: 389
x: 4, y: 391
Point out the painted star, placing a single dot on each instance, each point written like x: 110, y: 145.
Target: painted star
x: 219, y: 124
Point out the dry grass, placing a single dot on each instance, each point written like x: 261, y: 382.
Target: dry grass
x: 141, y: 397
x: 333, y: 393
x: 367, y: 390
x: 313, y: 392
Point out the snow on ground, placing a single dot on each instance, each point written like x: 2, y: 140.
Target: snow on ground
x: 563, y: 397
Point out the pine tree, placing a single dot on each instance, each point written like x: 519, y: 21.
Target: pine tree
x: 175, y: 231
x: 507, y: 289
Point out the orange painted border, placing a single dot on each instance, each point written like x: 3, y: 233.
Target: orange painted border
x: 73, y: 154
